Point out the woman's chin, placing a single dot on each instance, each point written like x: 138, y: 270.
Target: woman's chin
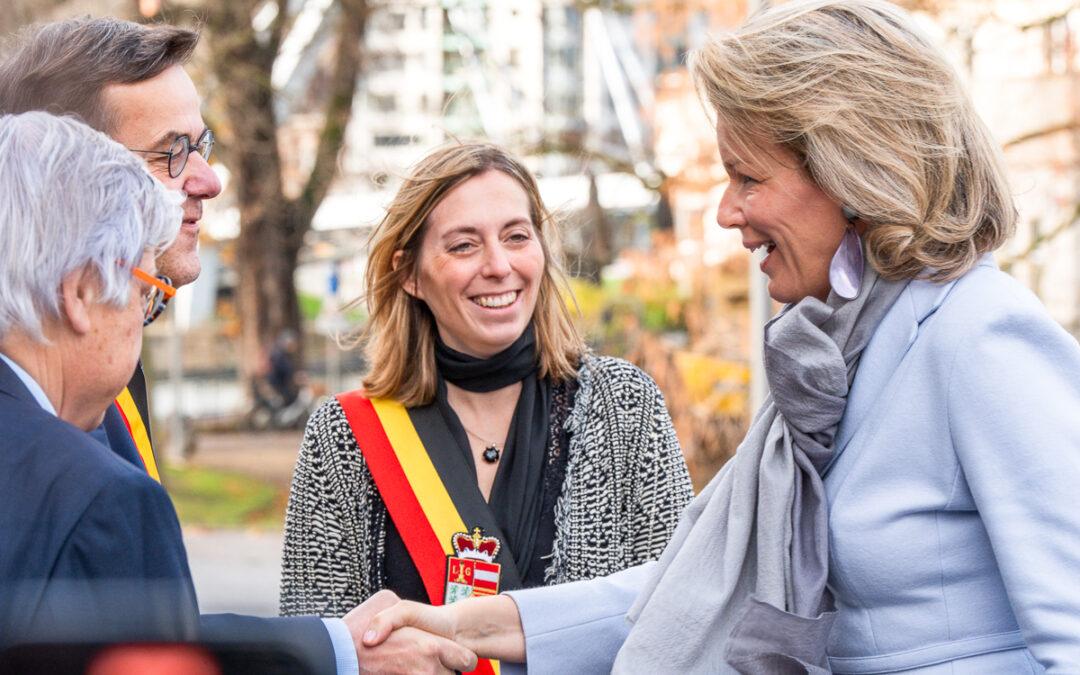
x: 492, y: 342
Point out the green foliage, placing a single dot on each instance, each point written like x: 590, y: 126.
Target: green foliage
x: 212, y: 498
x: 310, y: 306
x: 609, y: 310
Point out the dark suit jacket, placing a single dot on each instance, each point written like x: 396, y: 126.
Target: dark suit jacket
x: 90, y: 546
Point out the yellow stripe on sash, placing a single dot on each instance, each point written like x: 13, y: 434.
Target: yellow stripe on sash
x: 424, y: 479
x: 440, y: 510
x: 138, y: 432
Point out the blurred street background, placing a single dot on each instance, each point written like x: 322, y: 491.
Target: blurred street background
x: 320, y: 106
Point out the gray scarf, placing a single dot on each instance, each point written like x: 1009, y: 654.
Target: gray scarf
x: 741, y: 586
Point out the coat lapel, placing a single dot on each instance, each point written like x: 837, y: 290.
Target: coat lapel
x: 891, y: 341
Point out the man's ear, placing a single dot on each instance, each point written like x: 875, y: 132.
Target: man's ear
x: 409, y: 284
x: 78, y: 291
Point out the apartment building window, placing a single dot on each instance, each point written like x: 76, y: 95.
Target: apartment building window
x: 1059, y: 46
x: 383, y: 102
x: 394, y: 140
x: 388, y: 61
x: 387, y: 21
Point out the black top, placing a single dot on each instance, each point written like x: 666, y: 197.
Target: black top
x: 400, y: 573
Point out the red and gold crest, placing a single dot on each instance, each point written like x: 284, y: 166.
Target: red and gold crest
x: 473, y: 570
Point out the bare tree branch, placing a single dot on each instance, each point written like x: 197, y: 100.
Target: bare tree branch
x: 277, y: 27
x: 347, y: 68
x: 1042, y: 238
x: 1071, y: 125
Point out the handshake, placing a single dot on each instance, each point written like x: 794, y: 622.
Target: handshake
x: 398, y: 636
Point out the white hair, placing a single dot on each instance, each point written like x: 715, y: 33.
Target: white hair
x: 71, y: 198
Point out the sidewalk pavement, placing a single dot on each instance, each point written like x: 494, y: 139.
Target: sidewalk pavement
x: 235, y: 570
x: 269, y: 455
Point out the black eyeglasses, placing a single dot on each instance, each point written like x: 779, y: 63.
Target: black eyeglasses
x: 180, y: 149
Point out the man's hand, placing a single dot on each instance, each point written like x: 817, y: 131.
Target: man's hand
x: 407, y: 650
x: 357, y: 620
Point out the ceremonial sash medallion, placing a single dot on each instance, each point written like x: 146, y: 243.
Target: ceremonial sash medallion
x: 473, y: 571
x: 454, y: 561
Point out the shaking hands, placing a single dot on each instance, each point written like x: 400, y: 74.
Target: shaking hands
x: 398, y: 636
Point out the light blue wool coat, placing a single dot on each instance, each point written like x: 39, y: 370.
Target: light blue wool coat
x: 954, y: 501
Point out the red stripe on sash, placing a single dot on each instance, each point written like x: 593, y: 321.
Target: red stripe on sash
x: 127, y: 424
x: 420, y: 539
x: 401, y: 502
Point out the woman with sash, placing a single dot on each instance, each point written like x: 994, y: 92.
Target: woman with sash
x: 487, y: 450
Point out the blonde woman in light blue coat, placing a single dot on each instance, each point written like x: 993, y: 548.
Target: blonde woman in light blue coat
x: 908, y: 499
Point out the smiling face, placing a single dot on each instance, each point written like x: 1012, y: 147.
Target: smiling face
x: 773, y: 203
x: 150, y: 115
x: 480, y: 264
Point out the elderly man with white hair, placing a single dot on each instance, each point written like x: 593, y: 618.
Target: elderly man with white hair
x: 89, y: 545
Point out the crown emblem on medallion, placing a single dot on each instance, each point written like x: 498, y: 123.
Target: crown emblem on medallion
x: 476, y: 545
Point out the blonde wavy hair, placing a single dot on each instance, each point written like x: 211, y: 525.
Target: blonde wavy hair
x: 399, y: 338
x: 880, y: 121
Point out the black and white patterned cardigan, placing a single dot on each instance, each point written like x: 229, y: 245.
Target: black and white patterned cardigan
x: 626, y: 484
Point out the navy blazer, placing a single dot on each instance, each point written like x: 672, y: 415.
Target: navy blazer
x: 90, y: 546
x: 91, y: 549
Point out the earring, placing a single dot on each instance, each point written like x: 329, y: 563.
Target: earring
x: 846, y: 268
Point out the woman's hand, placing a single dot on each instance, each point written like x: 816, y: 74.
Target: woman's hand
x: 489, y: 627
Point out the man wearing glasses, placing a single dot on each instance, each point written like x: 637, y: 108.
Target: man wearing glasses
x: 128, y: 81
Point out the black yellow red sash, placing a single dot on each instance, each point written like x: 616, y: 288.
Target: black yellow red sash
x: 136, y: 426
x: 410, y: 486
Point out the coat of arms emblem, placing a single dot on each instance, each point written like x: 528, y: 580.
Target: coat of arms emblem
x: 472, y: 570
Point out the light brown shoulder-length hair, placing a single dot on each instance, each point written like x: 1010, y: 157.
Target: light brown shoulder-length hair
x: 399, y: 338
x: 880, y: 121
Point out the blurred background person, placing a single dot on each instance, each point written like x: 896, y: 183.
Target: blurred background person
x: 281, y: 396
x: 905, y: 499
x: 485, y: 430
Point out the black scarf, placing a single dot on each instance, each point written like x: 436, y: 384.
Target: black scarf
x: 510, y: 365
x: 517, y: 494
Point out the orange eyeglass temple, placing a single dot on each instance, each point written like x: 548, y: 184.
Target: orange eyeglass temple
x: 165, y: 288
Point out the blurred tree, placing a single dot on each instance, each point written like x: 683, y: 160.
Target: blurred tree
x: 15, y: 14
x: 243, y: 48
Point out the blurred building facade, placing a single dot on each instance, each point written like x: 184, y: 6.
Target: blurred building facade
x: 1021, y: 62
x: 601, y: 104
